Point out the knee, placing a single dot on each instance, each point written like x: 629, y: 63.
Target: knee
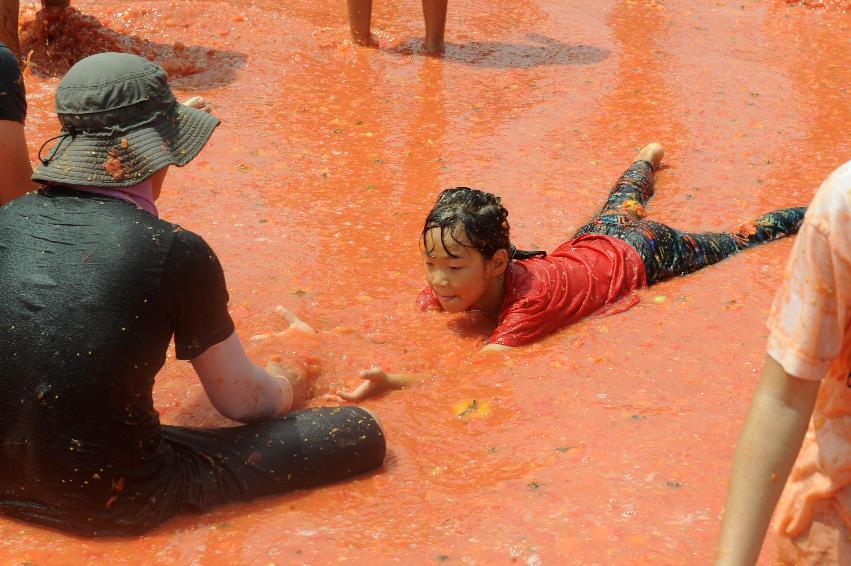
x: 374, y: 443
x: 375, y: 418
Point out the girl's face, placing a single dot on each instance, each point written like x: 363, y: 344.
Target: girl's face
x: 462, y: 281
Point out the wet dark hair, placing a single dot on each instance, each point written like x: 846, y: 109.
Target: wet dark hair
x: 482, y: 218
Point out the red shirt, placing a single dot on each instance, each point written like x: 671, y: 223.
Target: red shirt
x: 545, y: 294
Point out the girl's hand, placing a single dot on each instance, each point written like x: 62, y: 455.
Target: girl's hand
x: 376, y: 381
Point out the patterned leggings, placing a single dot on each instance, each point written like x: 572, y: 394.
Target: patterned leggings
x: 668, y: 252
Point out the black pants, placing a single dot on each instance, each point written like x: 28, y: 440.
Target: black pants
x: 668, y: 252
x: 300, y: 450
x: 197, y: 469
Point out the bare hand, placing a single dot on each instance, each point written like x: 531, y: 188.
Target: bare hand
x: 295, y: 379
x: 376, y: 380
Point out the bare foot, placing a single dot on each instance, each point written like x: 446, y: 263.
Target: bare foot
x: 652, y: 152
x: 434, y: 47
x: 365, y: 41
x: 199, y: 103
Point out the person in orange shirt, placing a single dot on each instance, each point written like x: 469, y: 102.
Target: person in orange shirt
x: 806, y: 374
x: 434, y: 13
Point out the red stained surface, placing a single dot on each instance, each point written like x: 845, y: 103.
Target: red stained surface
x: 608, y: 443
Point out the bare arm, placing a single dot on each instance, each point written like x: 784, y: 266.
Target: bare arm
x: 16, y: 170
x: 239, y: 389
x: 767, y: 447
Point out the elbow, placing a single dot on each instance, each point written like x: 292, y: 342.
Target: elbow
x: 265, y: 398
x: 237, y: 412
x: 238, y: 415
x: 247, y: 414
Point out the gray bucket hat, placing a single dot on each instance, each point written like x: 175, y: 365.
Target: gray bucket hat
x: 120, y: 124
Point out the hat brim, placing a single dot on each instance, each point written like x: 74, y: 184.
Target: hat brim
x: 125, y: 159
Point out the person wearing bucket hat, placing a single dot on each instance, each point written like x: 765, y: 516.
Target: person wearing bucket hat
x: 95, y: 286
x: 120, y: 125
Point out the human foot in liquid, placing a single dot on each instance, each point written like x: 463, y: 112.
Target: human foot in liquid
x: 652, y: 152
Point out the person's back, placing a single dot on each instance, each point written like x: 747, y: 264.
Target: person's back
x: 89, y: 296
x: 94, y: 287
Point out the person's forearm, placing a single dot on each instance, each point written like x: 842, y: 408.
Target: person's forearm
x: 239, y: 389
x: 764, y: 455
x: 251, y: 396
x: 268, y: 396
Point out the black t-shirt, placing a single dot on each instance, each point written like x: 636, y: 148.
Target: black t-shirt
x: 92, y: 288
x: 13, y: 102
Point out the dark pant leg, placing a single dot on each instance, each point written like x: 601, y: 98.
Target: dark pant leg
x: 301, y: 450
x: 626, y: 200
x: 772, y: 225
x: 635, y: 184
x: 668, y: 252
x: 194, y: 469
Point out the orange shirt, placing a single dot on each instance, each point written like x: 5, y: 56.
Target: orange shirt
x: 810, y: 336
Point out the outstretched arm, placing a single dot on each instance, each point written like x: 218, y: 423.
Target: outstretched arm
x: 767, y: 447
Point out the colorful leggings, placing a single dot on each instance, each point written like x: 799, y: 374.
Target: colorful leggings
x: 668, y: 252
